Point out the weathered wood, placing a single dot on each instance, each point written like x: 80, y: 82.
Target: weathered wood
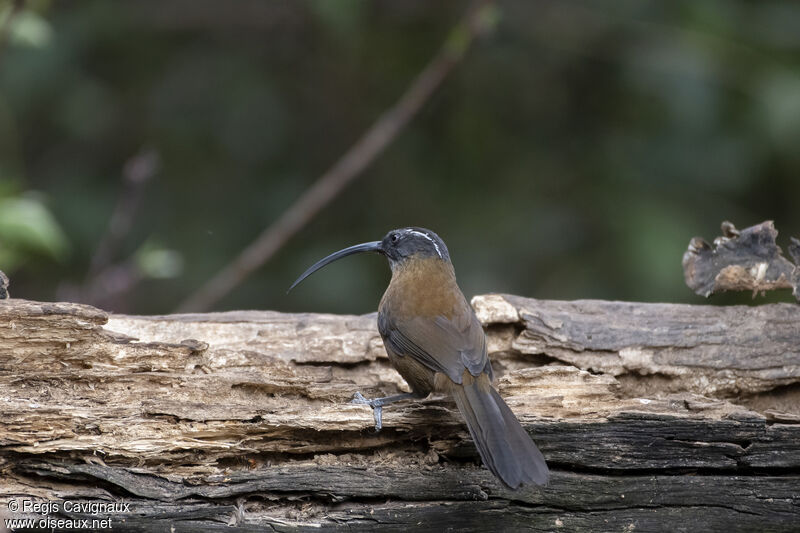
x: 3, y: 286
x: 762, y: 503
x: 652, y: 416
x: 746, y: 260
x: 719, y: 351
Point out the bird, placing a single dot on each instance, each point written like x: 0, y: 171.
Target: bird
x: 437, y: 344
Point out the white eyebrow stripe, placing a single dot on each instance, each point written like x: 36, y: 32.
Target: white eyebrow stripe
x: 438, y: 251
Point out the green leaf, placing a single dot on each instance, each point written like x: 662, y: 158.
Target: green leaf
x: 26, y: 226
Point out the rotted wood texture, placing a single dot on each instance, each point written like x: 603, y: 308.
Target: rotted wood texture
x: 653, y: 417
x: 746, y: 260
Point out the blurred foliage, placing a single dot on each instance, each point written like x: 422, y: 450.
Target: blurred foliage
x: 28, y: 232
x: 572, y: 155
x: 153, y: 261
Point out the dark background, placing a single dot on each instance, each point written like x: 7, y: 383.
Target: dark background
x: 572, y: 154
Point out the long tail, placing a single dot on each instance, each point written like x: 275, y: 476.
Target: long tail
x: 506, y: 449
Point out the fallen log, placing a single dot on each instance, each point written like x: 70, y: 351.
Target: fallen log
x: 652, y: 417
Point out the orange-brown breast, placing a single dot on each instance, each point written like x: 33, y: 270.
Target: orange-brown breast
x: 424, y: 287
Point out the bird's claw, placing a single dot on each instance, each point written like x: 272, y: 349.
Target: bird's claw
x: 359, y: 399
x: 377, y: 408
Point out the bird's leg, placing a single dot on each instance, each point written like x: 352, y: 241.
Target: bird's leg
x: 378, y: 403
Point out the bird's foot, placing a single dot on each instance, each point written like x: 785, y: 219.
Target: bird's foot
x: 377, y: 408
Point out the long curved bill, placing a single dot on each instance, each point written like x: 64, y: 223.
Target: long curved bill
x: 374, y: 246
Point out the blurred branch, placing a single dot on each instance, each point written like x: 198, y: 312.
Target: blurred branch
x: 107, y: 280
x: 108, y: 286
x: 138, y: 170
x: 479, y: 20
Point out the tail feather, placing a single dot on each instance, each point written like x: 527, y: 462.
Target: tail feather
x: 504, y: 446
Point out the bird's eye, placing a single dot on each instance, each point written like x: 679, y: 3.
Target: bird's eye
x: 395, y: 237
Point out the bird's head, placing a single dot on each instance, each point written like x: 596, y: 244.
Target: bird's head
x: 399, y: 246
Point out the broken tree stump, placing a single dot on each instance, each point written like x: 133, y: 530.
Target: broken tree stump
x: 653, y: 417
x: 746, y: 260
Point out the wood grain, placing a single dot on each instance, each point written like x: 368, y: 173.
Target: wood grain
x: 653, y: 417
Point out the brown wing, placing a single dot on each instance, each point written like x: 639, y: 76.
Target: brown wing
x: 444, y: 345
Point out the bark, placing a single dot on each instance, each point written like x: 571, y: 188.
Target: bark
x: 653, y: 417
x: 747, y: 260
x: 3, y: 286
